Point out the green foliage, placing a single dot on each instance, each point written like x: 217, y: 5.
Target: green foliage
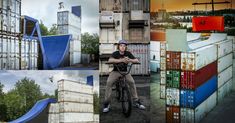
x: 96, y: 103
x: 45, y: 31
x: 90, y: 43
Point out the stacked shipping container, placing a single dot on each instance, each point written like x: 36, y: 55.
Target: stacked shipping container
x: 192, y: 80
x: 127, y: 20
x: 75, y: 103
x: 70, y: 23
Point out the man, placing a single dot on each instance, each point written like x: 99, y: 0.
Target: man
x: 121, y: 56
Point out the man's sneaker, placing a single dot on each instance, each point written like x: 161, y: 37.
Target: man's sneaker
x: 138, y: 104
x: 106, y: 108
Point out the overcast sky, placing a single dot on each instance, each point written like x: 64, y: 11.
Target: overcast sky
x: 46, y: 10
x: 9, y: 78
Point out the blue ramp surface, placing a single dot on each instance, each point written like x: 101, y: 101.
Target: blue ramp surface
x: 56, y: 49
x: 34, y: 111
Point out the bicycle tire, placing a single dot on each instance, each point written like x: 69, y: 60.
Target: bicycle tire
x: 118, y: 92
x: 126, y: 101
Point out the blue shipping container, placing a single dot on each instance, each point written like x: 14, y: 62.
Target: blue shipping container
x: 193, y: 98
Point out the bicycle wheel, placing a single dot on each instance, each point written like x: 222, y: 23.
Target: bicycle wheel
x: 126, y: 102
x: 118, y: 92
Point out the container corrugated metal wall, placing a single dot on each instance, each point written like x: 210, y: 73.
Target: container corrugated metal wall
x: 173, y: 78
x: 163, y: 77
x: 193, y: 79
x: 173, y: 60
x: 104, y: 69
x: 193, y: 98
x: 141, y: 52
x: 68, y: 96
x: 224, y: 48
x: 53, y: 115
x: 224, y: 90
x: 76, y: 107
x: 225, y: 62
x: 172, y: 97
x: 196, y: 59
x: 162, y: 91
x: 71, y: 117
x: 189, y: 115
x: 224, y: 76
x: 172, y: 114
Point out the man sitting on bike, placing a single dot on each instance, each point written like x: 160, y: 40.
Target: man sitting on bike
x: 122, y: 56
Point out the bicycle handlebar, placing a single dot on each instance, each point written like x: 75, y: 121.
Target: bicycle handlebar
x: 128, y: 65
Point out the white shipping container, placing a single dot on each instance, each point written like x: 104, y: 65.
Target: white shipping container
x: 224, y: 90
x: 163, y: 77
x: 75, y: 57
x: 68, y: 18
x: 195, y: 115
x: 70, y: 29
x: 225, y: 62
x: 106, y: 17
x: 108, y: 35
x: 141, y: 52
x: 75, y: 107
x: 54, y: 108
x: 107, y: 48
x: 74, y: 86
x: 172, y: 96
x: 155, y: 55
x: 68, y: 96
x: 224, y: 76
x: 105, y: 69
x: 198, y: 58
x: 224, y: 48
x: 75, y: 45
x: 163, y: 49
x: 69, y: 117
x: 162, y: 91
x: 155, y: 46
x: 96, y: 117
x: 54, y: 118
x: 137, y: 15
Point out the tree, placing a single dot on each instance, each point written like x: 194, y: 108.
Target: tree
x: 90, y: 44
x: 96, y: 103
x: 43, y: 28
x: 3, y: 107
x: 29, y: 91
x: 53, y: 30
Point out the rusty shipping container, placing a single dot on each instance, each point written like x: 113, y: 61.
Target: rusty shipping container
x: 172, y: 114
x: 157, y: 36
x: 193, y: 79
x: 173, y: 60
x: 196, y: 59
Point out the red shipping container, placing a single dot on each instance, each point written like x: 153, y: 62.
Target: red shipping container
x: 173, y: 60
x: 208, y: 23
x: 172, y: 114
x: 193, y: 79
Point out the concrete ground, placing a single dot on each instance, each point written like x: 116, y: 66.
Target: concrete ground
x: 137, y: 115
x: 222, y: 113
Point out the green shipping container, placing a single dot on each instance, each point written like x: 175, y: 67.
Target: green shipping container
x: 172, y: 78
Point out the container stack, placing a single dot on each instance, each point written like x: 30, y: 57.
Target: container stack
x: 70, y: 23
x: 162, y: 70
x: 53, y: 115
x: 128, y: 20
x: 198, y: 78
x: 9, y: 34
x: 75, y: 102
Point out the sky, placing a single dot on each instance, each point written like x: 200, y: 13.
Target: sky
x: 46, y: 10
x: 179, y: 5
x: 41, y: 77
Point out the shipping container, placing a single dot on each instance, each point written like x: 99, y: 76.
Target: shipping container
x: 173, y: 60
x: 188, y: 115
x: 225, y: 62
x: 108, y: 35
x: 155, y: 55
x: 224, y: 90
x: 163, y: 49
x: 154, y: 66
x: 110, y: 5
x: 53, y: 114
x: 193, y: 79
x: 137, y: 15
x: 173, y: 78
x: 163, y: 77
x: 225, y: 75
x: 172, y: 96
x: 155, y: 46
x: 162, y: 91
x: 71, y: 117
x: 193, y: 98
x: 96, y: 117
x: 76, y: 107
x: 70, y: 29
x: 74, y: 86
x: 104, y: 69
x: 75, y: 57
x: 141, y: 52
x: 224, y: 48
x: 107, y: 48
x: 75, y: 45
x: 196, y: 59
x: 54, y: 108
x: 68, y: 18
x: 172, y: 114
x: 157, y: 36
x: 136, y: 35
x: 68, y: 96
